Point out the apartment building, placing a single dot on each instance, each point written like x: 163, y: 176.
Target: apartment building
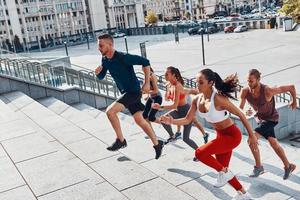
x: 165, y: 9
x: 126, y: 13
x: 31, y: 20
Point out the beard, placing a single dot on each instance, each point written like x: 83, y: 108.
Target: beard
x: 253, y: 86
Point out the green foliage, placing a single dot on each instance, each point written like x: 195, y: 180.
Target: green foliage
x: 291, y: 8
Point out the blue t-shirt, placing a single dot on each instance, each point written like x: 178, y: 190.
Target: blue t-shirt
x: 120, y: 66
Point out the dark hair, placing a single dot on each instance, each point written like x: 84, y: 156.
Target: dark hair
x: 151, y: 70
x: 225, y: 87
x: 105, y: 36
x: 177, y: 74
x: 255, y: 73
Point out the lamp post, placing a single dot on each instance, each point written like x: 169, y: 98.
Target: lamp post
x: 87, y: 40
x: 126, y: 45
x: 66, y: 47
x: 203, y: 53
x: 207, y: 29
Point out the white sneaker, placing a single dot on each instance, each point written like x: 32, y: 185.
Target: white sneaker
x: 241, y: 196
x: 223, y: 178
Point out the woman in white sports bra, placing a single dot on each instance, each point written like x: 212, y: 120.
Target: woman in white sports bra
x: 215, y: 108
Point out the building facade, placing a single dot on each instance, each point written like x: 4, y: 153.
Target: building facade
x: 165, y: 9
x: 32, y: 20
x: 124, y: 14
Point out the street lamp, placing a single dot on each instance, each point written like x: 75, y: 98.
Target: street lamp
x: 87, y: 40
x: 125, y: 38
x: 207, y: 29
x: 203, y: 53
x: 66, y: 47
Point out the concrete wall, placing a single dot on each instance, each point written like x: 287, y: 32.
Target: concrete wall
x: 252, y: 24
x: 69, y: 96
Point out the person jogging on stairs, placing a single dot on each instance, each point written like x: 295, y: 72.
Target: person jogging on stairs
x: 120, y: 66
x: 261, y: 99
x: 154, y: 96
x: 179, y: 107
x: 215, y: 107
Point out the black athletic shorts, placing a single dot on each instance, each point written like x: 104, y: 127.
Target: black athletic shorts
x: 266, y: 129
x: 132, y: 101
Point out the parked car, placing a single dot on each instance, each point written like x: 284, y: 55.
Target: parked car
x: 240, y: 28
x: 193, y: 31
x: 229, y: 29
x: 212, y: 29
x: 118, y: 34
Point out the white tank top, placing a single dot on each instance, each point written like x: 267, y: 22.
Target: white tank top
x: 213, y: 115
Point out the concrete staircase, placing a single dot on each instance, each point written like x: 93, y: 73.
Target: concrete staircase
x: 50, y: 150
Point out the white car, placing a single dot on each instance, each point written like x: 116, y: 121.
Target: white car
x: 240, y: 28
x: 118, y: 34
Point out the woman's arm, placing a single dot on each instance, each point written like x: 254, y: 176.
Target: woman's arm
x: 153, y: 79
x: 178, y: 90
x: 185, y: 120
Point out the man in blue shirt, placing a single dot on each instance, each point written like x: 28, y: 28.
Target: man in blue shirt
x: 120, y: 66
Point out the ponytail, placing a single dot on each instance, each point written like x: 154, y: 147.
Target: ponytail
x: 177, y: 74
x: 225, y: 87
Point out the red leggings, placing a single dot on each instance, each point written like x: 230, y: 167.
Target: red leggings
x: 227, y: 139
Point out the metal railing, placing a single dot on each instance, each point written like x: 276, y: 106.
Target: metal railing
x: 77, y: 76
x: 56, y: 76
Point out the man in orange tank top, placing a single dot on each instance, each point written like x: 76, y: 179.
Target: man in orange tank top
x: 261, y: 99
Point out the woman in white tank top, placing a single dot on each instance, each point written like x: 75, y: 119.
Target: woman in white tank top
x: 215, y: 107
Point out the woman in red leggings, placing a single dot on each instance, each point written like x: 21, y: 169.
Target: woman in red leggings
x: 215, y: 107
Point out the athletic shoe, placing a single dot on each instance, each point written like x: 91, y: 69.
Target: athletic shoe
x: 242, y: 196
x: 195, y: 159
x: 257, y: 171
x: 288, y: 171
x: 117, y: 145
x: 223, y: 178
x: 173, y: 138
x: 158, y: 149
x: 205, y: 137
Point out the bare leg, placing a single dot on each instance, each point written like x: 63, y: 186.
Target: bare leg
x: 256, y: 154
x: 139, y: 119
x: 111, y: 113
x: 279, y: 151
x: 178, y: 129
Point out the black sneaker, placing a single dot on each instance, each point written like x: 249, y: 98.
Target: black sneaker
x: 288, y: 171
x: 117, y: 145
x: 158, y: 149
x: 173, y: 138
x: 205, y: 138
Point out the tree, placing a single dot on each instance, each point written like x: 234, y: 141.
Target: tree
x: 291, y: 8
x: 18, y: 44
x: 151, y: 18
x: 43, y: 42
x: 188, y: 15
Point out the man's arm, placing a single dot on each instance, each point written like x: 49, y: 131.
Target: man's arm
x: 146, y: 85
x: 139, y: 60
x: 272, y: 91
x: 243, y: 98
x: 100, y: 72
x: 136, y: 60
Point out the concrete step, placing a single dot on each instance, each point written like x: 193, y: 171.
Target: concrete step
x: 52, y: 154
x: 43, y: 155
x: 99, y: 127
